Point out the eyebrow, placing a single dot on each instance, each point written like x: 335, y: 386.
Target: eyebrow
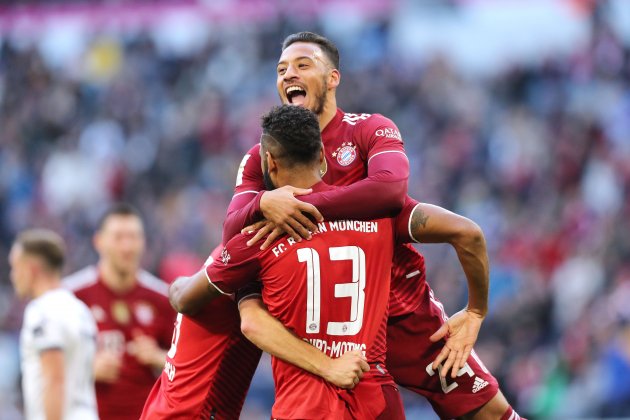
x: 308, y: 57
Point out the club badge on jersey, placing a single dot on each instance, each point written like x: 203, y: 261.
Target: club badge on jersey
x: 120, y: 312
x: 346, y: 153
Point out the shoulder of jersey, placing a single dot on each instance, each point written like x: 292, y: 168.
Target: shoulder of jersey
x: 51, y: 305
x: 354, y: 119
x: 149, y: 281
x: 255, y: 149
x: 81, y: 279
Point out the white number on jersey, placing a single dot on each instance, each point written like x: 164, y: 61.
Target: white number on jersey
x: 241, y: 168
x: 175, y: 339
x: 446, y: 388
x: 354, y: 290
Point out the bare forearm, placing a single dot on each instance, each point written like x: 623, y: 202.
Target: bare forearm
x: 52, y: 365
x: 268, y: 334
x: 473, y: 256
x: 53, y: 401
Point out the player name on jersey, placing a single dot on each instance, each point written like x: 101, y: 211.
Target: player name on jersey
x: 334, y: 226
x: 336, y: 348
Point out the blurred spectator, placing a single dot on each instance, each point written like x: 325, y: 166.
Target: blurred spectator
x: 134, y: 318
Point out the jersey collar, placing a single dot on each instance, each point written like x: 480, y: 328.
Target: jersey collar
x: 333, y: 124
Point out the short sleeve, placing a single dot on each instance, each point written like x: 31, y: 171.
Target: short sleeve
x: 236, y: 266
x: 249, y: 178
x: 47, y: 331
x: 252, y: 289
x: 379, y: 134
x: 402, y: 222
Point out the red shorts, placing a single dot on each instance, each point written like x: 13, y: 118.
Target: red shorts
x: 371, y: 399
x: 410, y: 355
x: 379, y: 401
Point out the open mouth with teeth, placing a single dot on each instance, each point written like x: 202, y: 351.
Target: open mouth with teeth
x: 295, y: 95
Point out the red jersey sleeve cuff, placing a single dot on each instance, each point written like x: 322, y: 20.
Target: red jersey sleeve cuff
x: 256, y: 205
x: 409, y: 224
x: 214, y: 285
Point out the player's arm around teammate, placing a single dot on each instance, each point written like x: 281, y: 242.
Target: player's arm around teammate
x: 189, y: 294
x: 268, y: 334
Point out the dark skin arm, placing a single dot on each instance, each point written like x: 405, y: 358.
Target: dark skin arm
x: 188, y: 295
x: 433, y: 224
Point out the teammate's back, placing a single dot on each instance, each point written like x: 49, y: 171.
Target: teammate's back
x: 337, y: 300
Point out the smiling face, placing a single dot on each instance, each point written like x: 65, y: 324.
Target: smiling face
x: 120, y: 242
x: 305, y: 77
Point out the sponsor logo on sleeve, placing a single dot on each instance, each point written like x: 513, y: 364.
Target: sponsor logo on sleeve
x: 345, y: 154
x: 225, y: 256
x: 353, y: 119
x: 389, y: 133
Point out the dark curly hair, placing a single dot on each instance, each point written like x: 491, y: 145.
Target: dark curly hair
x: 327, y: 46
x: 292, y: 134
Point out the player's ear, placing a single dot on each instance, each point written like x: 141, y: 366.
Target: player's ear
x: 272, y: 164
x: 334, y: 78
x: 322, y: 156
x: 34, y: 267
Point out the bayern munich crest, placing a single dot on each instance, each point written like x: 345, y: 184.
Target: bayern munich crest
x: 346, y: 153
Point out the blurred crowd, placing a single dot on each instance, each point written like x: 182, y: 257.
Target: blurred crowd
x: 537, y: 155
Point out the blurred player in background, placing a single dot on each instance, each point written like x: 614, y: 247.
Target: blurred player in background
x: 366, y: 158
x: 131, y: 309
x: 58, y: 337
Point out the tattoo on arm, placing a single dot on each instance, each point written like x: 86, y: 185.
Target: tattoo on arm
x: 418, y: 218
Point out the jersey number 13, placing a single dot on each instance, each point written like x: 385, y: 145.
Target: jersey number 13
x: 354, y: 290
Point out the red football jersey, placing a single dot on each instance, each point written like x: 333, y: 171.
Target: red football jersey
x: 208, y: 368
x: 350, y: 141
x: 331, y: 291
x: 120, y: 317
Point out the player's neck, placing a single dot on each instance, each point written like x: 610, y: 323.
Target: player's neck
x: 301, y: 178
x: 44, y: 285
x: 115, y: 280
x: 328, y: 113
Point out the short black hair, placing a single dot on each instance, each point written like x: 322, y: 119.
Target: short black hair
x: 44, y: 244
x: 118, y: 209
x: 293, y: 133
x: 327, y: 46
